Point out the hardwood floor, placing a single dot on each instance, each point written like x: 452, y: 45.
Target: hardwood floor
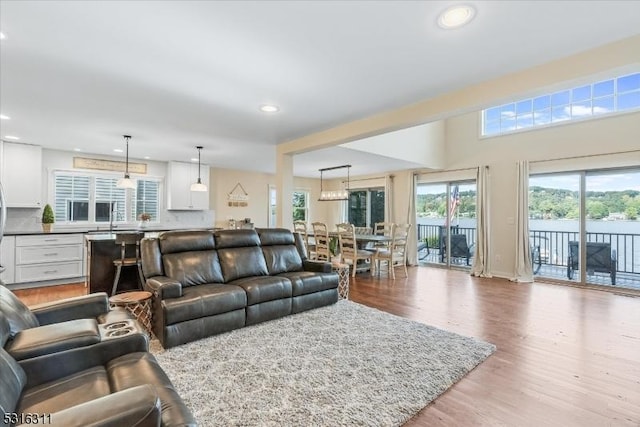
x: 566, y: 356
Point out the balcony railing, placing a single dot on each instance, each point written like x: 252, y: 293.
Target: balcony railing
x: 554, y: 248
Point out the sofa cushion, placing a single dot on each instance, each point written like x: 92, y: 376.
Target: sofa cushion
x: 275, y: 236
x: 242, y: 262
x: 282, y: 258
x: 66, y: 392
x: 16, y: 312
x: 193, y: 267
x: 262, y: 289
x: 186, y: 241
x: 12, y: 381
x: 306, y: 282
x: 53, y: 338
x: 140, y: 368
x: 236, y: 238
x: 202, y: 301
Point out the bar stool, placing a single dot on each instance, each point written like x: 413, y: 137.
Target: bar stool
x: 124, y: 240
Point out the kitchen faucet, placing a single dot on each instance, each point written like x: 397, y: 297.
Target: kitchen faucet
x: 113, y: 213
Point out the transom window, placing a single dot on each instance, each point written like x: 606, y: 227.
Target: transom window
x: 95, y: 198
x: 586, y: 101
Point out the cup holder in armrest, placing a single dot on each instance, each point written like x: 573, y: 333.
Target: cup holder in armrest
x: 119, y: 332
x: 117, y: 325
x: 119, y: 329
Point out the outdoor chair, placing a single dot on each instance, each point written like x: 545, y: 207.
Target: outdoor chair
x: 600, y: 259
x: 459, y: 248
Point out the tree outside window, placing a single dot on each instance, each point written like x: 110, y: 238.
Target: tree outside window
x: 300, y: 205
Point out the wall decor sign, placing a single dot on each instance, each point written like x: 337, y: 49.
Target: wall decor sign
x: 108, y: 165
x: 238, y: 197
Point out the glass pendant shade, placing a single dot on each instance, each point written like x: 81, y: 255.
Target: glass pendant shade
x: 125, y: 182
x: 198, y: 185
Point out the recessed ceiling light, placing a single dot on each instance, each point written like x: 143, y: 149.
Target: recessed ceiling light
x: 15, y: 138
x: 456, y: 16
x: 118, y: 150
x: 194, y: 160
x: 2, y: 36
x: 268, y: 108
x: 77, y: 149
x: 147, y: 157
x: 3, y: 117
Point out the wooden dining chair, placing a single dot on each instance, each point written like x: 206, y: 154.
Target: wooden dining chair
x: 310, y: 247
x: 383, y: 229
x: 396, y: 254
x: 321, y: 237
x: 349, y: 248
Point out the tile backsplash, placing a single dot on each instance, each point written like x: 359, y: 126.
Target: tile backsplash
x: 24, y: 220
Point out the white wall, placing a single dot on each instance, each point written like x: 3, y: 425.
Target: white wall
x: 256, y: 184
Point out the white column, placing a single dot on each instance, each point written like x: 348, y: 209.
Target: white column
x: 284, y: 190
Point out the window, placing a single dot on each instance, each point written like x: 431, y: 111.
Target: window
x: 95, y: 198
x: 147, y: 199
x: 72, y: 197
x: 273, y: 211
x: 594, y: 99
x: 366, y: 207
x: 300, y: 205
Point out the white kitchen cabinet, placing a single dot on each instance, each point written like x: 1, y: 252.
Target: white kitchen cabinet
x: 48, y: 257
x: 180, y: 176
x: 7, y: 259
x: 22, y: 175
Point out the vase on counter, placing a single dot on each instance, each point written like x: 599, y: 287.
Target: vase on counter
x: 143, y: 224
x: 46, y: 228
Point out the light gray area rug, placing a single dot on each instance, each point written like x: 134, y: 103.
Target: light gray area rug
x: 341, y: 365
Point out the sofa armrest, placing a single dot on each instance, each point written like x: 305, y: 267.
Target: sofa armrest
x: 137, y: 406
x: 81, y: 307
x: 164, y: 287
x: 316, y: 266
x: 53, y: 366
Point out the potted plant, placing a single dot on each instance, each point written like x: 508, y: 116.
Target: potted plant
x: 333, y: 249
x: 144, y: 219
x: 47, y: 218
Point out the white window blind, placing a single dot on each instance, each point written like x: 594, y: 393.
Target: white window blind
x: 109, y: 198
x: 71, y: 197
x: 147, y: 199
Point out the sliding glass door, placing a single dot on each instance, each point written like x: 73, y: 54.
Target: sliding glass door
x: 446, y: 223
x: 585, y: 227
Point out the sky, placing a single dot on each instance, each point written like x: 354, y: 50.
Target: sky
x: 603, y: 181
x: 611, y: 181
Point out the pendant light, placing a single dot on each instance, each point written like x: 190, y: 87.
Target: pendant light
x: 334, y: 195
x: 198, y: 186
x: 126, y: 182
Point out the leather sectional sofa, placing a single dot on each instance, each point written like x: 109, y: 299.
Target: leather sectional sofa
x: 208, y: 282
x: 76, y: 362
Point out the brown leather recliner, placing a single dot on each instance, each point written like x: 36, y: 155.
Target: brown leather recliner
x: 205, y: 283
x: 115, y: 384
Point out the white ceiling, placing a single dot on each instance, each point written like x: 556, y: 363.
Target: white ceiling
x: 176, y: 74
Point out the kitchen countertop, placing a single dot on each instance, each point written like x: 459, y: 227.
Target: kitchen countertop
x: 94, y: 231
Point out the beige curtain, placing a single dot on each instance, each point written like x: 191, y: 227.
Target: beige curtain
x: 482, y: 259
x: 523, y: 268
x: 389, y: 216
x: 412, y: 240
